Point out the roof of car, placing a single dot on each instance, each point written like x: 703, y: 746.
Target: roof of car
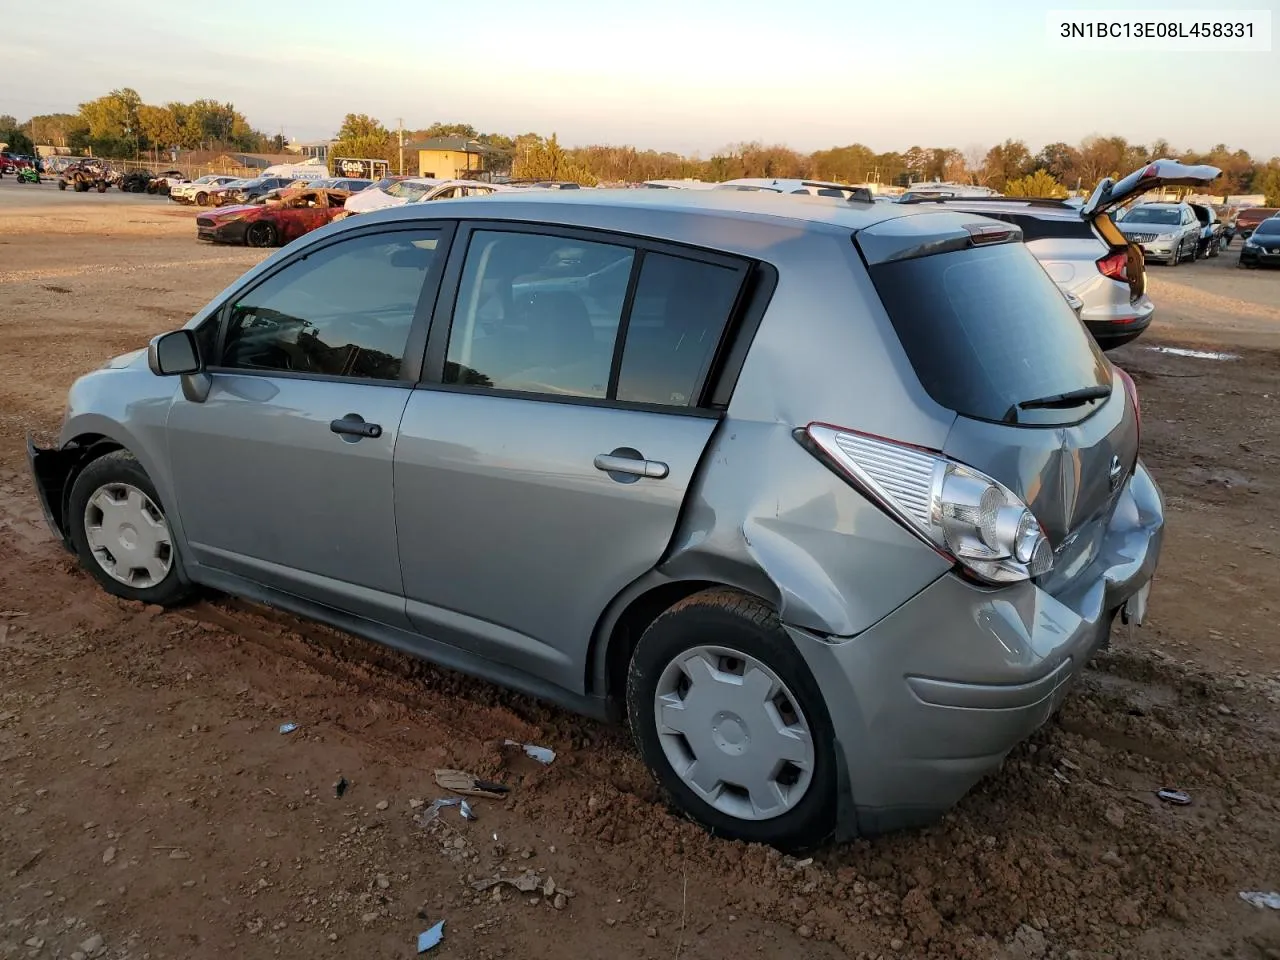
x: 724, y: 204
x: 1029, y: 207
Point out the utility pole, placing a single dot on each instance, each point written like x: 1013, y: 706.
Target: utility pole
x: 400, y: 127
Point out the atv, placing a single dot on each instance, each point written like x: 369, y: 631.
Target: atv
x: 86, y: 175
x: 136, y: 182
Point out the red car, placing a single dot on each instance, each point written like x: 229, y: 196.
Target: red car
x: 273, y: 220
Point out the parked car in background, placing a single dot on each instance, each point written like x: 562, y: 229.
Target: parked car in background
x: 813, y: 188
x: 1212, y: 231
x: 1249, y: 217
x: 678, y: 185
x: 198, y: 190
x: 271, y: 222
x: 1167, y: 232
x: 936, y: 189
x: 1082, y: 250
x: 349, y: 184
x: 245, y: 190
x: 162, y: 183
x: 1263, y: 246
x: 824, y: 516
x: 418, y: 190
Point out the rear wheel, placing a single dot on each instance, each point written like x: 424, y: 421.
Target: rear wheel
x: 62, y: 184
x: 102, y: 186
x: 260, y: 235
x: 202, y: 198
x: 121, y: 534
x: 729, y: 718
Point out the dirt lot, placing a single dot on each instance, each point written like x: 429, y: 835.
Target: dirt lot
x: 149, y: 808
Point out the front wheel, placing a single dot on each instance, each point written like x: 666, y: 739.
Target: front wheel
x: 62, y: 184
x: 121, y: 534
x: 729, y: 718
x: 102, y: 187
x: 260, y: 235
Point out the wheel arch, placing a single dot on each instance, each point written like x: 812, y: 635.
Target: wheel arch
x: 625, y: 620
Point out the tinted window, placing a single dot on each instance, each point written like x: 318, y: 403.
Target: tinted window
x: 538, y: 313
x: 986, y: 329
x: 679, y: 313
x: 345, y: 310
x: 1151, y: 215
x: 1267, y: 227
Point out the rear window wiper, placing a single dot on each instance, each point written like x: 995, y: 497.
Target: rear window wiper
x: 1072, y: 398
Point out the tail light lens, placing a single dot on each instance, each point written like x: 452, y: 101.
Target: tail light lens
x: 967, y: 517
x: 1115, y: 266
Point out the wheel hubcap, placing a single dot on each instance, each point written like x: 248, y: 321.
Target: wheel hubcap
x: 734, y: 733
x: 128, y: 535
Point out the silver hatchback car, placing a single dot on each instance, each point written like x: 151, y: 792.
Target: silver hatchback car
x: 831, y: 499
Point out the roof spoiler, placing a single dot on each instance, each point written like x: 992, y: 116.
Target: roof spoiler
x: 1052, y: 203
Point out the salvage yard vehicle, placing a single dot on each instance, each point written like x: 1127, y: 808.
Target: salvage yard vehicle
x: 1212, y: 231
x: 85, y: 175
x: 1248, y: 219
x: 1167, y: 232
x: 793, y: 485
x: 197, y: 191
x: 242, y: 191
x: 1084, y: 252
x: 136, y: 181
x: 1263, y: 246
x: 271, y: 222
x: 162, y: 183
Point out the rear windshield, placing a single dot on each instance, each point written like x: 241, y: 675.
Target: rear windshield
x: 986, y: 329
x: 1152, y: 215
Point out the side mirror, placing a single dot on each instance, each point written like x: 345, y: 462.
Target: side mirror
x: 174, y: 354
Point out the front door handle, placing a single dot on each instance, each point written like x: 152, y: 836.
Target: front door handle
x: 627, y: 465
x: 353, y: 427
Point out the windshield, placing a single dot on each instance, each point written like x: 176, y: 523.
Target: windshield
x: 1267, y: 228
x: 1146, y: 214
x: 986, y: 329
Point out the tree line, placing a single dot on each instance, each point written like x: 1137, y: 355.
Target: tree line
x: 121, y: 125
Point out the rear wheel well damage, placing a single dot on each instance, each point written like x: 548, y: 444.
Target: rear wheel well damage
x: 635, y: 618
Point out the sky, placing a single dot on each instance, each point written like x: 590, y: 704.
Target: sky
x: 689, y: 76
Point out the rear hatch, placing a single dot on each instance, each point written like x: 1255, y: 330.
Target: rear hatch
x: 990, y: 337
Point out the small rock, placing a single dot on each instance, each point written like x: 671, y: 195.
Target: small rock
x: 92, y: 945
x: 19, y: 811
x: 805, y: 932
x: 895, y: 944
x: 108, y: 855
x: 77, y: 955
x: 560, y: 901
x: 1224, y: 710
x: 1115, y: 816
x: 496, y: 896
x: 551, y: 849
x: 609, y: 921
x: 459, y: 842
x: 35, y: 943
x: 1028, y: 943
x: 369, y: 918
x: 333, y: 938
x: 42, y: 792
x: 153, y: 610
x: 651, y: 932
x: 525, y: 854
x: 382, y: 805
x: 1112, y: 859
x: 179, y: 855
x: 382, y: 881
x: 1239, y: 685
x: 415, y: 803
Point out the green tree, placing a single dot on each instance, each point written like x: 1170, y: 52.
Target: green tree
x: 57, y: 128
x: 363, y: 136
x: 113, y: 117
x: 1004, y: 162
x: 8, y: 122
x: 15, y: 137
x: 159, y: 126
x: 1038, y: 184
x: 547, y: 160
x: 1060, y: 160
x: 1266, y: 180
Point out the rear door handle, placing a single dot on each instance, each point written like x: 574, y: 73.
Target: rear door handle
x: 630, y: 466
x: 353, y: 427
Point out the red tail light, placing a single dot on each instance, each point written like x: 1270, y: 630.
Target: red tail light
x: 1131, y: 389
x: 1115, y: 266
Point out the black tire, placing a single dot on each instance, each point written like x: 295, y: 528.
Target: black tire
x: 1215, y: 247
x: 102, y: 187
x: 1176, y: 258
x: 120, y: 466
x: 202, y: 198
x: 62, y: 184
x: 260, y: 234
x: 748, y: 625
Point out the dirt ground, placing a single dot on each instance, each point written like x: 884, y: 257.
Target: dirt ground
x: 149, y: 807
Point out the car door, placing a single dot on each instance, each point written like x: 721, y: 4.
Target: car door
x: 283, y: 471
x: 542, y: 466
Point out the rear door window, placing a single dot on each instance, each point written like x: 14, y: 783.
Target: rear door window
x: 986, y: 329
